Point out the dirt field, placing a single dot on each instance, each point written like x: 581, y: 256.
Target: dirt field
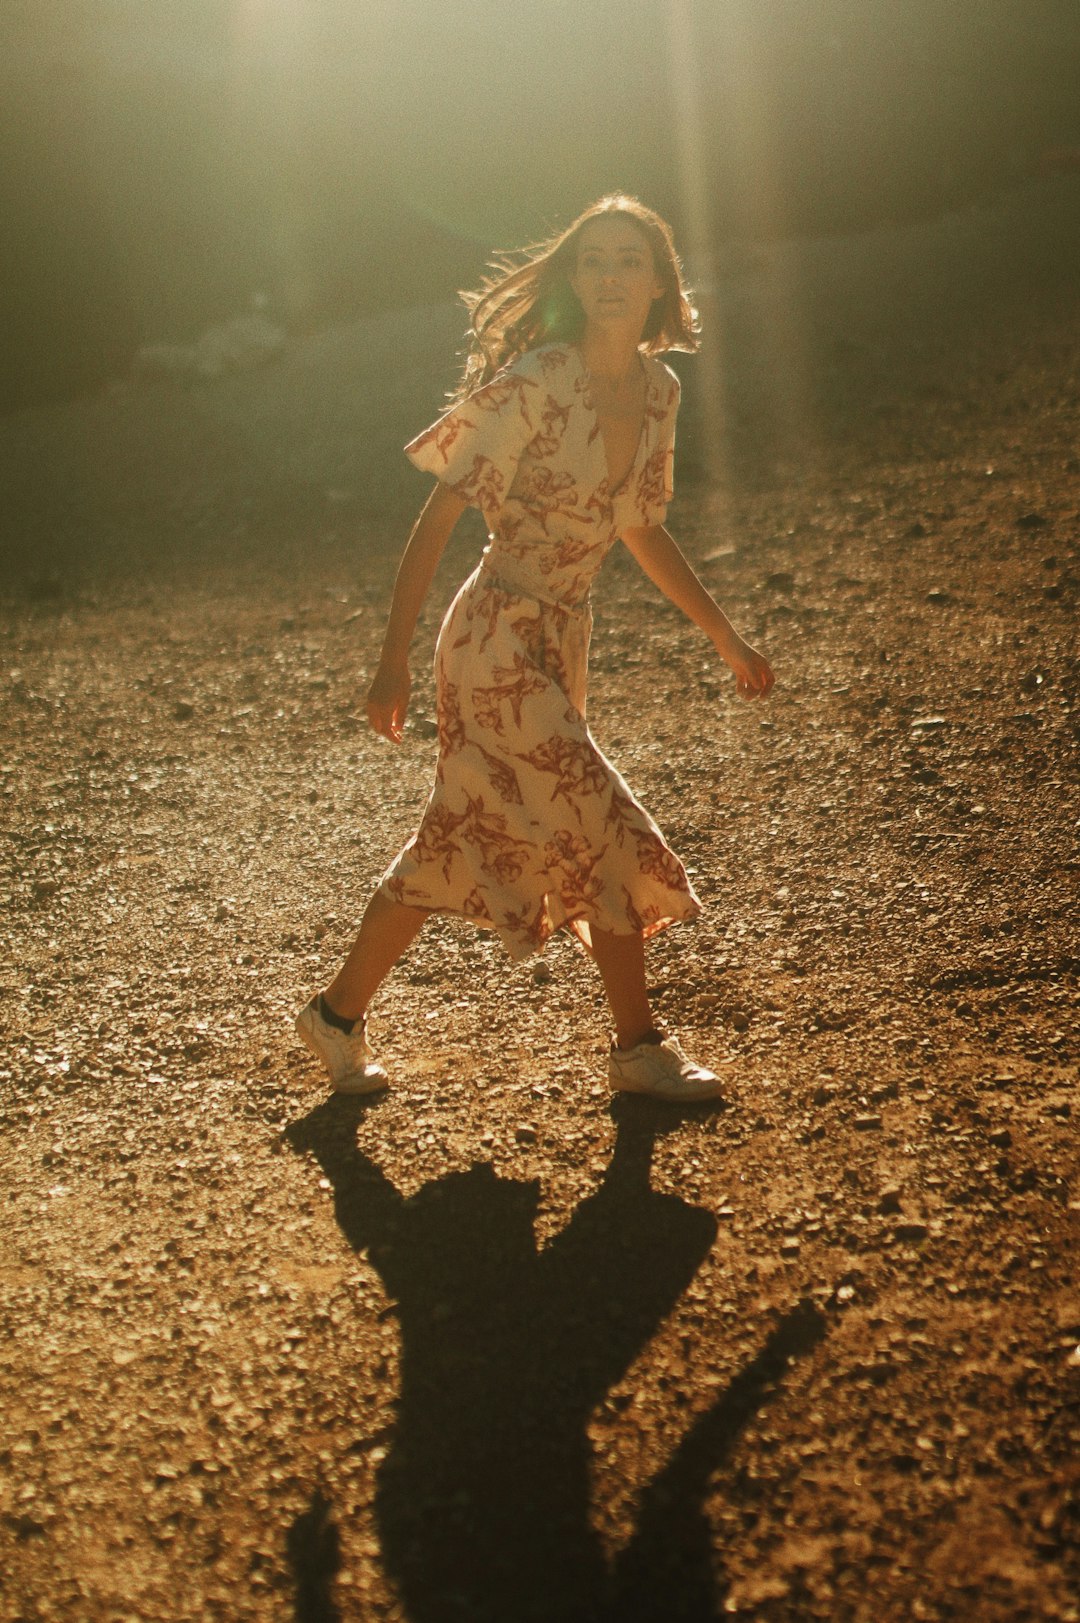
x: 493, y: 1348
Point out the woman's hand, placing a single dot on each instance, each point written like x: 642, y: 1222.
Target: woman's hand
x: 753, y: 674
x: 388, y: 700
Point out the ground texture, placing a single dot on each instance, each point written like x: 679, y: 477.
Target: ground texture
x: 493, y: 1348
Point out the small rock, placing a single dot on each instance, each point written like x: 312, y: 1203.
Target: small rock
x: 740, y: 1020
x: 44, y: 888
x: 938, y: 595
x: 911, y: 1231
x: 889, y: 1199
x: 183, y: 710
x: 867, y: 1124
x: 526, y: 1133
x: 541, y: 973
x: 1001, y: 1137
x: 1031, y: 521
x: 26, y: 1527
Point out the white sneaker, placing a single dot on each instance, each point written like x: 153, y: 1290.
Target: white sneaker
x: 346, y: 1055
x: 663, y: 1071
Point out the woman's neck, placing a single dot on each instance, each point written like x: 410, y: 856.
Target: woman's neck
x: 611, y: 359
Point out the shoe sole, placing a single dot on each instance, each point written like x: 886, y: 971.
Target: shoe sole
x: 682, y: 1097
x: 357, y: 1081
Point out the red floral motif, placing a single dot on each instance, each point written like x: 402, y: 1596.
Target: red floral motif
x: 488, y: 607
x: 501, y: 855
x: 576, y: 765
x: 435, y: 840
x: 655, y: 408
x: 651, y: 485
x: 529, y: 631
x: 451, y: 723
x: 646, y: 918
x: 657, y: 861
x: 444, y: 435
x: 474, y: 906
x: 504, y: 780
x: 548, y: 494
x: 527, y: 924
x: 511, y: 686
x: 574, y: 860
x: 547, y: 440
x: 499, y: 396
x: 483, y: 484
x: 510, y: 525
x: 554, y: 666
x: 553, y: 359
x: 570, y: 551
x: 634, y: 918
x: 600, y: 503
x: 622, y: 815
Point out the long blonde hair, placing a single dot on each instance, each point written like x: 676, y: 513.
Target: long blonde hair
x: 528, y: 301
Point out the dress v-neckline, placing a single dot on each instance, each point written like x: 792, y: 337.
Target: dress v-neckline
x: 598, y: 433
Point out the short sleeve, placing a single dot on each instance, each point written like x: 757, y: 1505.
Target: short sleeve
x: 476, y: 447
x: 655, y: 484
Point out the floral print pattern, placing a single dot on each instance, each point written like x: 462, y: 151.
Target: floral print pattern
x: 529, y: 827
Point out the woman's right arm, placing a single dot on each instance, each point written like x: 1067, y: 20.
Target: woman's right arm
x: 388, y: 696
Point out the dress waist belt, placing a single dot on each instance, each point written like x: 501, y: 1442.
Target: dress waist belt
x: 497, y: 577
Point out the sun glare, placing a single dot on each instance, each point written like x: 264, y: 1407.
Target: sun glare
x: 763, y: 373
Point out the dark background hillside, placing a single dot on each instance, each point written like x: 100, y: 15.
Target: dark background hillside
x: 165, y: 165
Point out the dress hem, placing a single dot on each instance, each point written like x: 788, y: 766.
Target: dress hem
x: 520, y: 951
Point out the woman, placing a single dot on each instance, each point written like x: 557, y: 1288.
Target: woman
x: 562, y: 434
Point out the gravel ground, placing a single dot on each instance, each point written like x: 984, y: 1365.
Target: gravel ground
x: 492, y: 1347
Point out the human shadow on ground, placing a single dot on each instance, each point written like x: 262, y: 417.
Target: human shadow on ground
x: 482, y: 1503
x: 313, y: 1548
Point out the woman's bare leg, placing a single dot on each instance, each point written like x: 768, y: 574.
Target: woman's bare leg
x: 621, y: 962
x: 386, y: 929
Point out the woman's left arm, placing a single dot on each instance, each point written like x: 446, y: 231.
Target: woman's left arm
x: 660, y: 557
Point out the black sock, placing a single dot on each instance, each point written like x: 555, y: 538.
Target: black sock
x: 653, y: 1037
x: 333, y: 1019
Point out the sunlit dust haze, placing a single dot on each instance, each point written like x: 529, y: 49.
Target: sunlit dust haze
x: 165, y: 164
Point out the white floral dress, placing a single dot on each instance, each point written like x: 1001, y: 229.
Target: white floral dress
x: 529, y: 827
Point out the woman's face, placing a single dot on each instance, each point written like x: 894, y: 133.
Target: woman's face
x: 615, y: 278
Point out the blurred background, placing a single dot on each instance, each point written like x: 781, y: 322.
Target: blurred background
x: 166, y: 167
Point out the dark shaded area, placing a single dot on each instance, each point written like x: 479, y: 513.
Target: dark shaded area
x: 313, y: 1548
x: 483, y: 1500
x: 163, y: 166
x: 665, y: 1574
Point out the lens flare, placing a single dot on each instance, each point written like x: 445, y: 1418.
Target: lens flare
x: 753, y: 359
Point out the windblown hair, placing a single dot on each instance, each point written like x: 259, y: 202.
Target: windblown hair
x: 528, y: 301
